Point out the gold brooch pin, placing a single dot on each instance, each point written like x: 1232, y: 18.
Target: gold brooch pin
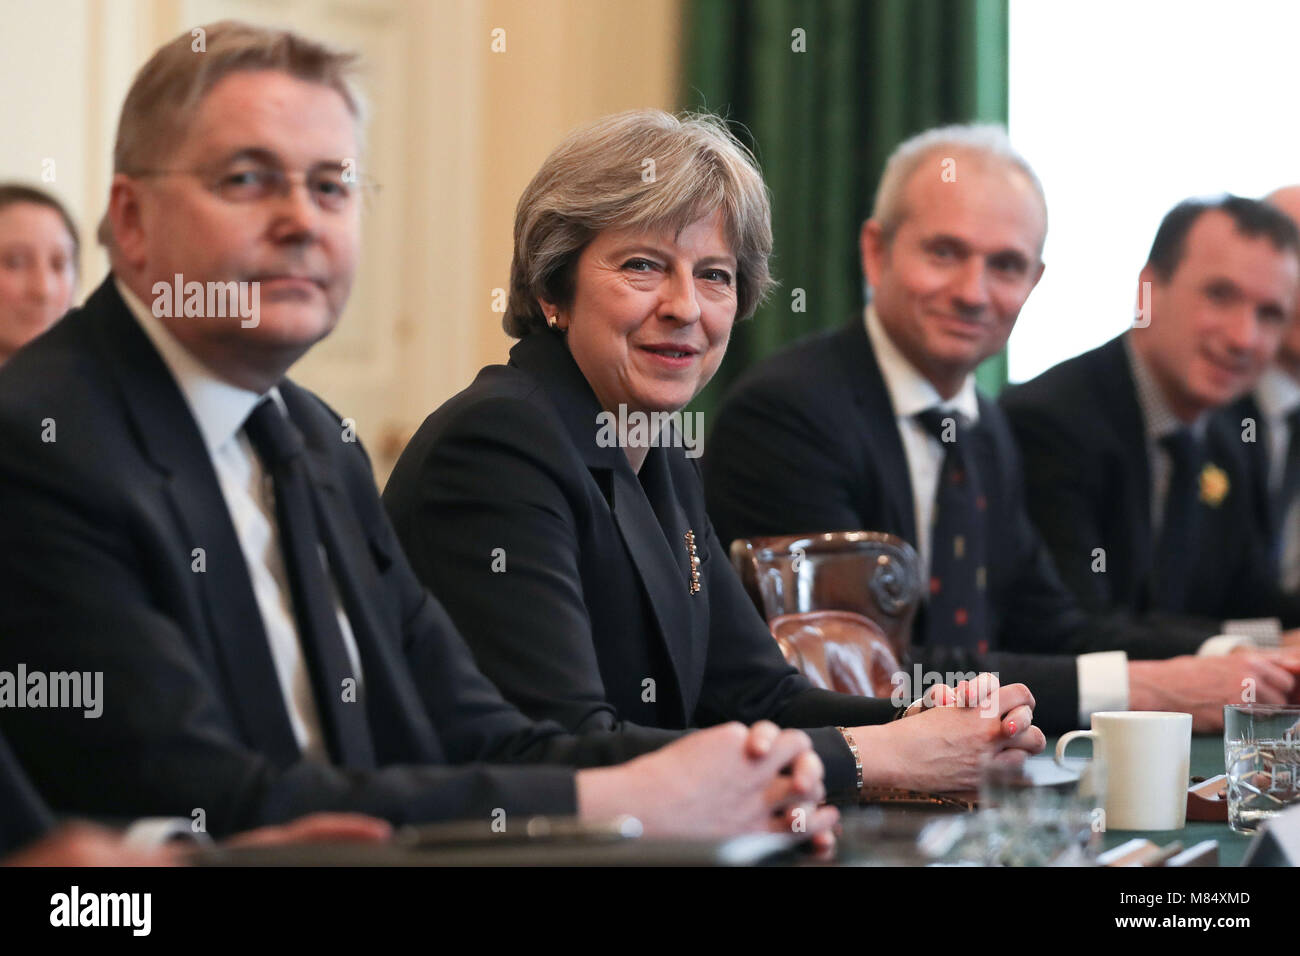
x: 694, y: 557
x: 1214, y: 485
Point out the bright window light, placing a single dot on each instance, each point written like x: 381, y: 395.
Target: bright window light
x: 1124, y: 108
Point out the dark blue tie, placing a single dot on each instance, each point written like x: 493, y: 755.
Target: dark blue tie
x: 957, y: 608
x: 1176, y: 547
x: 280, y: 447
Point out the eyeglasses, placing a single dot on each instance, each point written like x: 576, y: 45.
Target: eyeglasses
x: 332, y: 187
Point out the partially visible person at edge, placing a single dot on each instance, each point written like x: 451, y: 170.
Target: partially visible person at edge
x: 39, y: 248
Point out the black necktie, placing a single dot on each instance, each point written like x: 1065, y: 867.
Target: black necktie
x: 280, y: 447
x: 957, y: 609
x: 1176, y: 547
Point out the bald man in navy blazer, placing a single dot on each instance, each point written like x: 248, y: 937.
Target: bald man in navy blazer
x: 831, y: 434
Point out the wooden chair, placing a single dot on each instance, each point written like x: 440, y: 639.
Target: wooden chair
x: 871, y: 580
x: 838, y: 650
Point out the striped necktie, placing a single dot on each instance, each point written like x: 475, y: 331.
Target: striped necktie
x: 957, y: 608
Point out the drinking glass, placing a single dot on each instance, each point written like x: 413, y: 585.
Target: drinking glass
x: 1261, y: 752
x: 1036, y: 815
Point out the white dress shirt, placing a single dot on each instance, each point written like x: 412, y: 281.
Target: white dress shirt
x: 1103, y: 675
x: 911, y: 393
x: 220, y: 410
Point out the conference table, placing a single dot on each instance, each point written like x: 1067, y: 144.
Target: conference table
x: 1206, y: 761
x: 882, y: 835
x: 873, y: 835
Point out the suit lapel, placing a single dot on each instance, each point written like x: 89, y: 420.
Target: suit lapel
x: 1257, y: 461
x: 393, y: 705
x: 654, y: 525
x: 879, y: 424
x: 171, y: 439
x: 1117, y: 394
x: 987, y: 460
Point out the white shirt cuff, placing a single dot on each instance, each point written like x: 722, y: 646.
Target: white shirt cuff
x: 1103, y: 683
x: 149, y: 833
x: 1222, y: 644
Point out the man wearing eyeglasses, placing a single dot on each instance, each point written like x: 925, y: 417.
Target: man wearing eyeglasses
x: 181, y: 519
x: 249, y: 176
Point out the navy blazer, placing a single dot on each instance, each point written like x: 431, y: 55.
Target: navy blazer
x: 107, y: 492
x: 807, y: 441
x: 568, y: 572
x: 1083, y: 437
x: 1256, y: 457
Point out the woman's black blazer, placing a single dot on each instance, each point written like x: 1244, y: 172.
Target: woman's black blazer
x: 568, y: 573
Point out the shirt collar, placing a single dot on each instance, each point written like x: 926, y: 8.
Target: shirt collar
x: 218, y: 407
x: 909, y: 390
x: 1277, y: 393
x: 1157, y: 417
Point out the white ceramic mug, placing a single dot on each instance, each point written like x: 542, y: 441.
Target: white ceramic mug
x: 1147, y: 756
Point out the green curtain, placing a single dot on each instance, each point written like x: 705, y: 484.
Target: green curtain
x: 822, y: 122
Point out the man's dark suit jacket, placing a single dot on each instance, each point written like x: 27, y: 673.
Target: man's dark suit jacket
x: 568, y: 572
x: 106, y: 492
x: 1081, y: 431
x: 1268, y: 523
x: 23, y: 814
x: 807, y: 441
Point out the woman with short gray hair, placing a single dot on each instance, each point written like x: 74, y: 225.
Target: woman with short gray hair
x: 642, y: 170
